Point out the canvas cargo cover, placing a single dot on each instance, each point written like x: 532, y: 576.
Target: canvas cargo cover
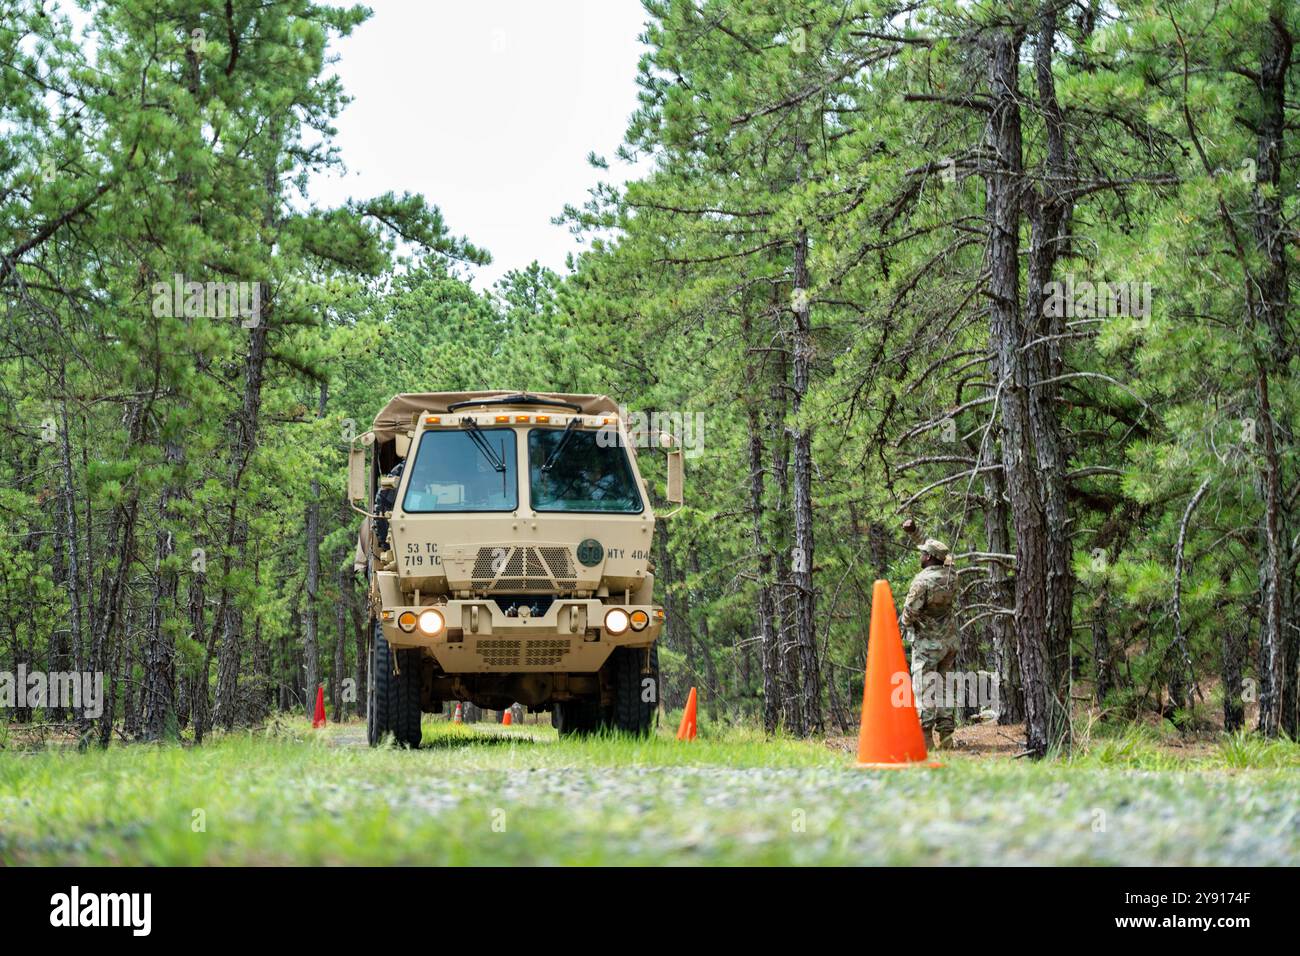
x: 398, y: 414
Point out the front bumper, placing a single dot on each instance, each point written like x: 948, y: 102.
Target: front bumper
x: 479, y: 638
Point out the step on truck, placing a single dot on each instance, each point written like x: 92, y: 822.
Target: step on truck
x: 506, y: 544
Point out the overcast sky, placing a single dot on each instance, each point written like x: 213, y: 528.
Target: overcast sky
x: 489, y: 108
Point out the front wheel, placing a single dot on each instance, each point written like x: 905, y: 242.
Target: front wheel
x: 636, y: 689
x: 393, y: 704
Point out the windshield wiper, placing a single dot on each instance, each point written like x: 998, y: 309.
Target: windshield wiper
x: 564, y: 440
x: 477, y: 437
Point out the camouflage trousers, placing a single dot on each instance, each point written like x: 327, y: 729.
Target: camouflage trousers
x: 932, y: 656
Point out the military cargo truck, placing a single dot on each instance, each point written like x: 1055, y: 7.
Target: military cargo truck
x: 507, y: 545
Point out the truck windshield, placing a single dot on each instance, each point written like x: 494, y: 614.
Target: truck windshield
x: 453, y: 473
x: 586, y: 475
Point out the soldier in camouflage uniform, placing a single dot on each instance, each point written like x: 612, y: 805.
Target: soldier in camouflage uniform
x: 930, y: 627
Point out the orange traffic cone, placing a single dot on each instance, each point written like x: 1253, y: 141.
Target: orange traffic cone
x: 318, y: 720
x: 506, y: 719
x: 891, y: 730
x: 687, y: 729
x: 457, y: 719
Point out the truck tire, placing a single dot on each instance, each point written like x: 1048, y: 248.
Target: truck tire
x: 630, y: 712
x: 575, y: 717
x: 394, y: 699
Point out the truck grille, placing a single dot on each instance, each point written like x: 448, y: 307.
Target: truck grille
x: 535, y: 653
x: 499, y: 653
x: 523, y: 568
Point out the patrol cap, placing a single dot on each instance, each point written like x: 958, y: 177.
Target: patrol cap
x: 934, y: 548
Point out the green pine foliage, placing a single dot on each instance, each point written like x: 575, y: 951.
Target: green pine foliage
x: 808, y: 161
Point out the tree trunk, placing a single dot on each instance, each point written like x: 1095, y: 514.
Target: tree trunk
x: 1182, y: 679
x: 130, y: 716
x: 1002, y: 200
x: 805, y: 598
x: 1234, y: 654
x: 255, y: 700
x: 198, y: 681
x: 1000, y: 590
x: 230, y: 616
x: 786, y: 665
x: 71, y: 538
x: 1103, y: 665
x: 231, y: 624
x: 1270, y: 299
x: 706, y: 651
x: 665, y: 578
x: 311, y: 648
x: 114, y: 575
x: 340, y: 642
x: 311, y: 644
x: 160, y: 649
x: 766, y: 631
x: 1049, y: 234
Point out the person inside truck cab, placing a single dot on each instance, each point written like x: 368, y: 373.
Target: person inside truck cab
x: 434, y: 483
x: 455, y: 471
x: 384, y: 500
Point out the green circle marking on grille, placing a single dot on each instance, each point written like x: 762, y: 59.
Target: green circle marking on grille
x: 590, y: 552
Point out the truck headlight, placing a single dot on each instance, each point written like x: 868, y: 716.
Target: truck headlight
x: 639, y: 620
x: 406, y: 621
x: 431, y: 622
x: 616, y: 620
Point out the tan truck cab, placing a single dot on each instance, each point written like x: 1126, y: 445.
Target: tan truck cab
x: 507, y: 546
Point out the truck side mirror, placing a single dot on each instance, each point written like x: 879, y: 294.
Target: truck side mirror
x: 356, y: 474
x: 676, y: 477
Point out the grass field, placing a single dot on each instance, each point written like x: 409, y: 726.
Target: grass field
x: 492, y: 795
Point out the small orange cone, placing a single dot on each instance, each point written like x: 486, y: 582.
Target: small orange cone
x: 891, y: 730
x: 318, y: 720
x: 687, y: 729
x: 457, y: 719
x: 506, y: 719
